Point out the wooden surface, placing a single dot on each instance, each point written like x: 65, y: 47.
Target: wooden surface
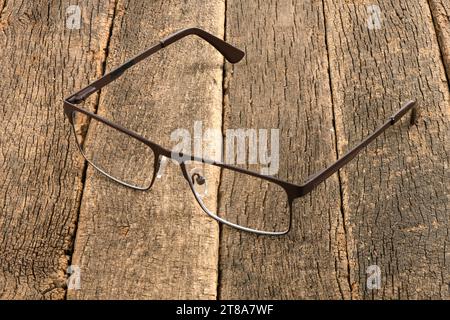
x: 313, y: 69
x: 41, y: 61
x: 440, y: 10
x: 395, y: 196
x: 157, y: 244
x: 283, y: 83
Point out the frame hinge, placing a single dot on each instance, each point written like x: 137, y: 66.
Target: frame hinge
x: 83, y: 94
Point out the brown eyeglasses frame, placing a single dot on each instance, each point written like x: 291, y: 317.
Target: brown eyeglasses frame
x: 233, y: 55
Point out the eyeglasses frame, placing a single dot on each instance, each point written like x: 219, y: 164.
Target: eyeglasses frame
x: 233, y: 55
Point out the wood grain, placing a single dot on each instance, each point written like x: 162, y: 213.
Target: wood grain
x: 440, y: 9
x: 40, y: 169
x: 284, y: 83
x: 395, y: 195
x: 156, y: 244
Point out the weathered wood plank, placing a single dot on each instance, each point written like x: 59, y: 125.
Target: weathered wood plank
x: 284, y: 83
x: 440, y: 9
x: 40, y: 185
x: 395, y: 195
x: 155, y: 244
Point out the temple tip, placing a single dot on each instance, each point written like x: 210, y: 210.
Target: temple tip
x: 235, y: 56
x: 404, y: 109
x: 414, y: 114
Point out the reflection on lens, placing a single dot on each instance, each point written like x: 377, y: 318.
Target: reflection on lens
x: 114, y: 153
x: 242, y: 199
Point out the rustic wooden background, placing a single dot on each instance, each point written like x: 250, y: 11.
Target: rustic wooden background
x: 312, y: 67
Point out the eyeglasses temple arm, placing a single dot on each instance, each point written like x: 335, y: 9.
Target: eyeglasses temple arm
x: 231, y: 53
x: 322, y: 175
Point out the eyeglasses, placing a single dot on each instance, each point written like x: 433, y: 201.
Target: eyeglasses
x: 265, y: 205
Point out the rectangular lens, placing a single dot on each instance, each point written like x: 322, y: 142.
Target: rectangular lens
x: 114, y: 153
x: 242, y: 199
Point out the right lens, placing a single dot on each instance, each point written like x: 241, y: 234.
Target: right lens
x: 114, y: 153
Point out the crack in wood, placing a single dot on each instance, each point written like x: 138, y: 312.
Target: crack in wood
x: 95, y: 107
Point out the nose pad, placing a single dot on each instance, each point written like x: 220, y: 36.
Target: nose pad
x: 199, y: 182
x: 162, y: 167
x: 198, y: 178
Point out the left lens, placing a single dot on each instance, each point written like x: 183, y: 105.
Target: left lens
x: 244, y: 200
